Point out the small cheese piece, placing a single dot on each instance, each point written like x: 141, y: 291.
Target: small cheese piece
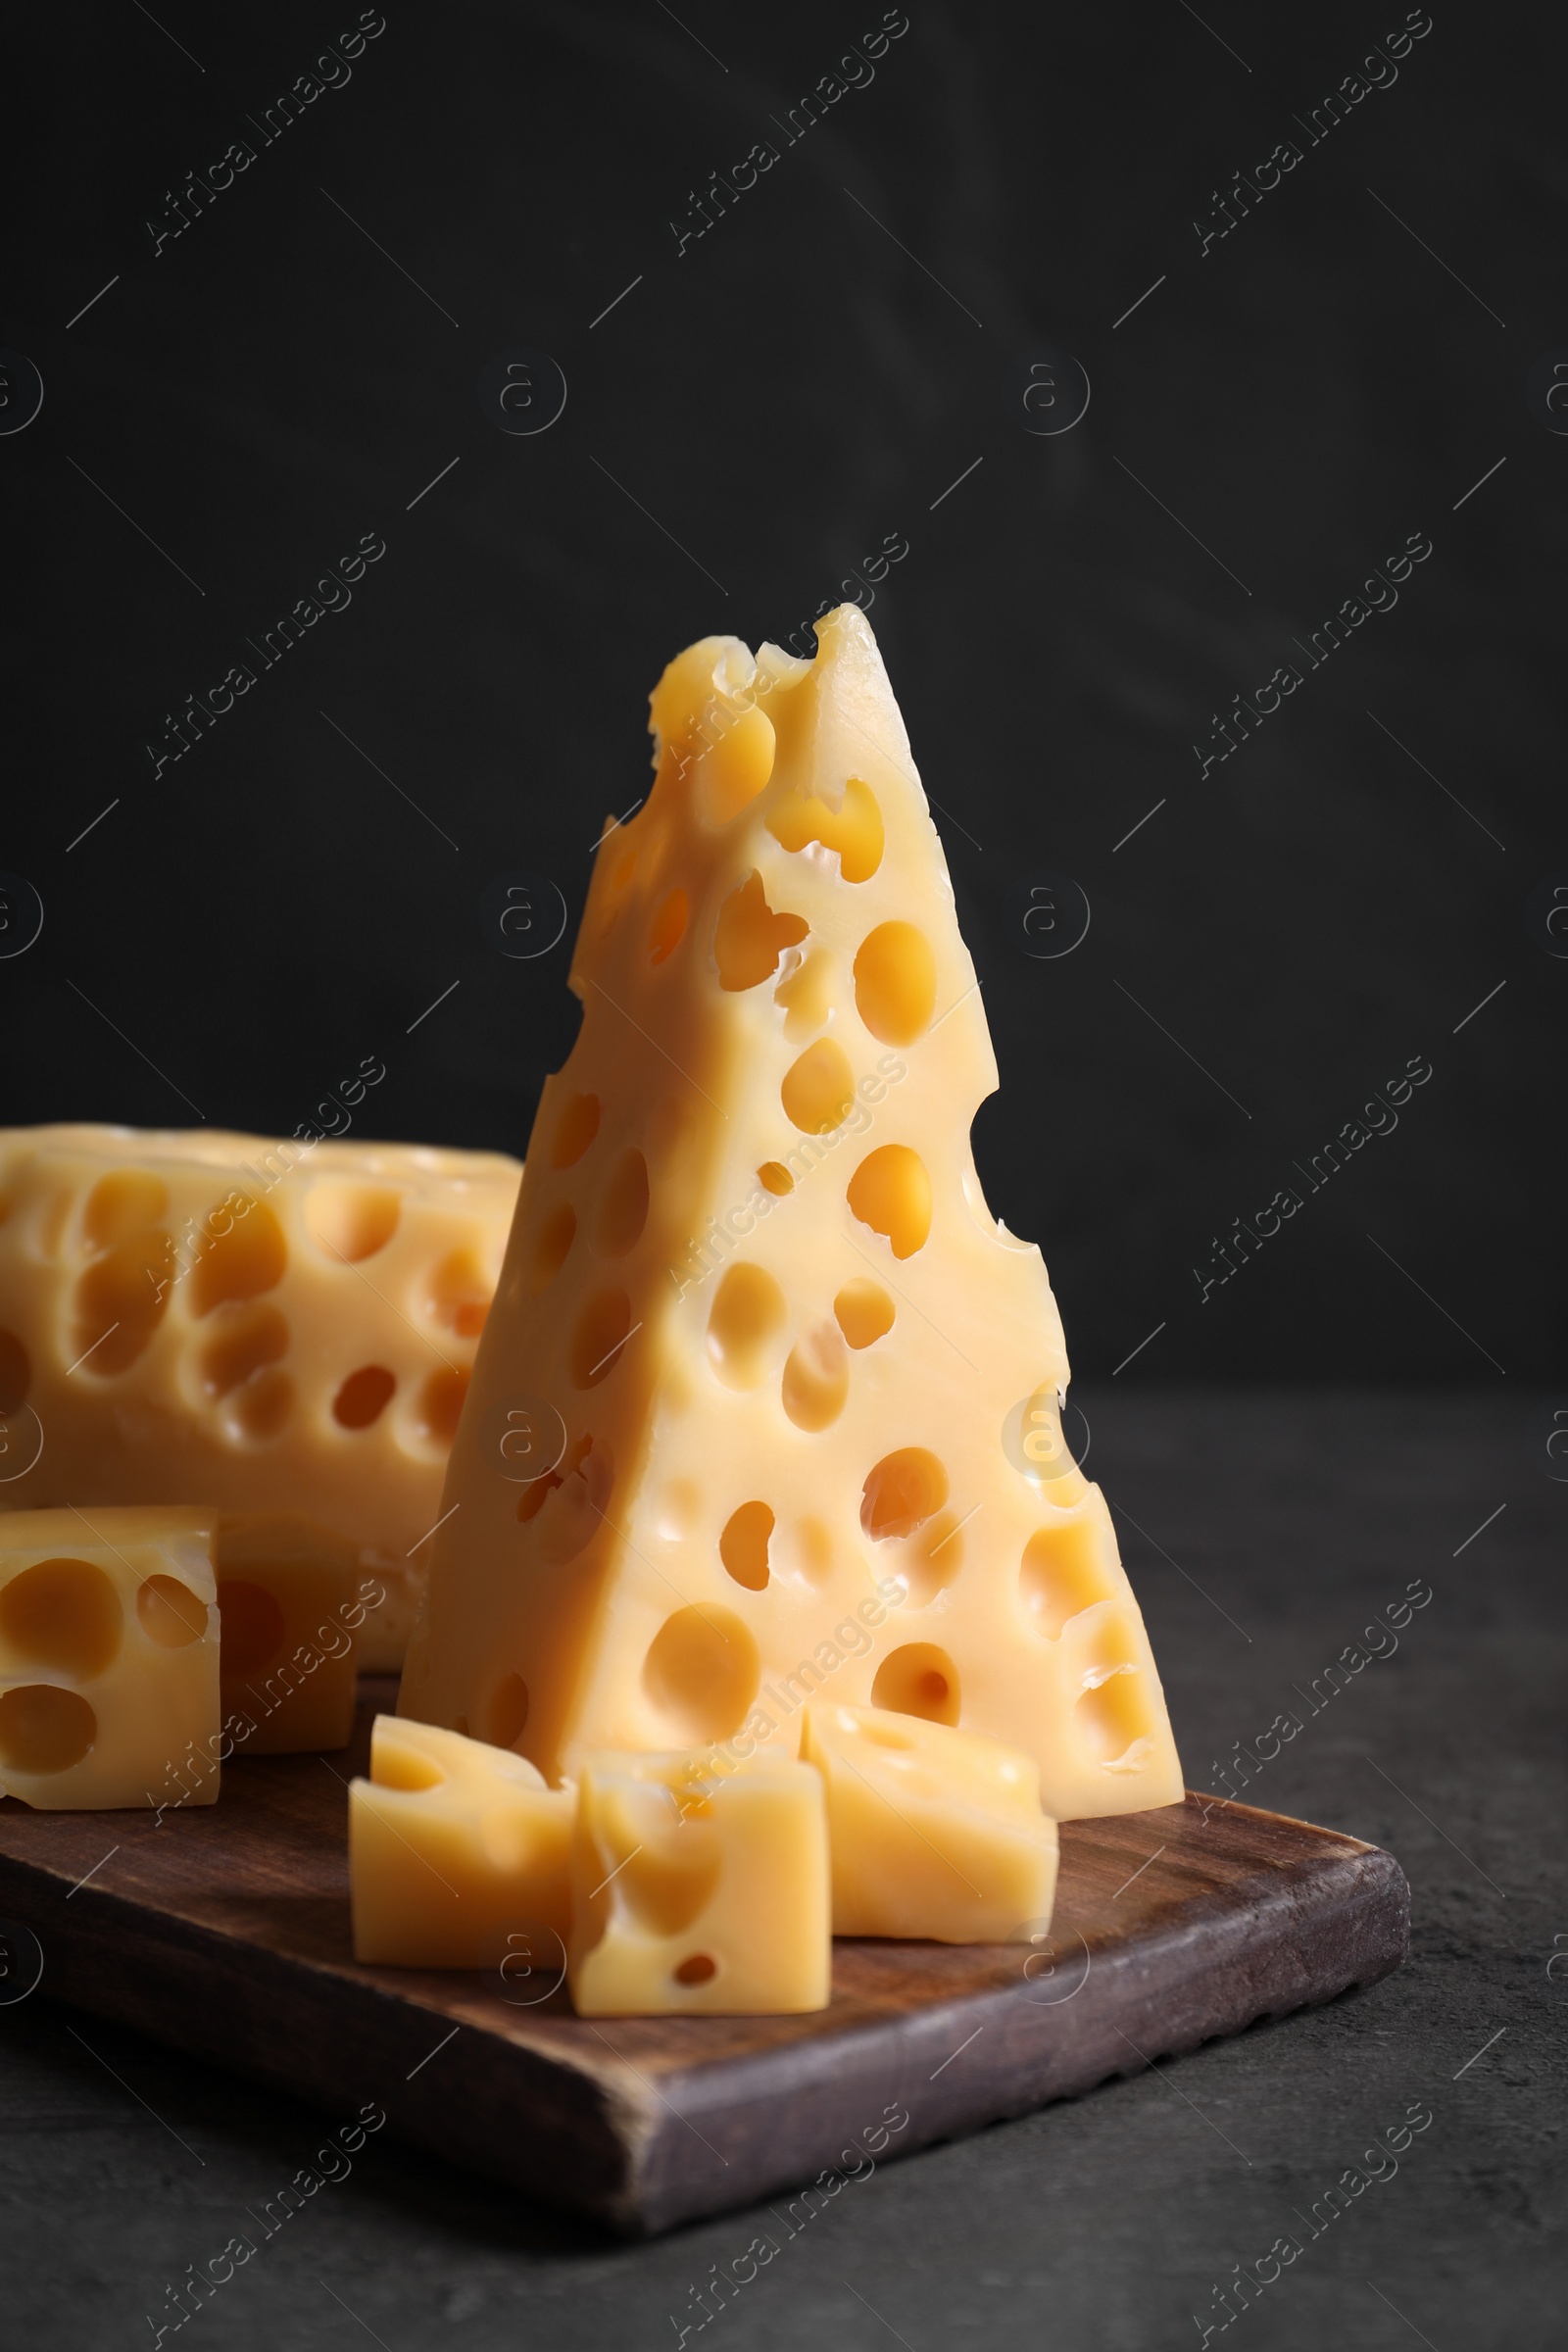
x: 933, y: 1832
x: 234, y: 1321
x: 698, y: 1894
x: 109, y: 1649
x: 292, y: 1601
x: 788, y: 1359
x: 458, y: 1855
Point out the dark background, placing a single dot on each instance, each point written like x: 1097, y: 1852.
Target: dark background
x: 780, y: 397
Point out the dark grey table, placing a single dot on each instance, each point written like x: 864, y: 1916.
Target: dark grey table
x: 1262, y: 1531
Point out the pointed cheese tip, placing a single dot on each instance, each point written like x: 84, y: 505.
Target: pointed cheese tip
x: 726, y: 671
x: 849, y: 722
x: 857, y: 716
x: 846, y: 622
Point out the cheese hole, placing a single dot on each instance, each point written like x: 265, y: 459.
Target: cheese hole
x: 120, y: 1303
x: 698, y: 1970
x: 1111, y: 1719
x: 623, y: 1210
x: 395, y: 1766
x: 602, y: 1328
x: 774, y: 1177
x: 349, y: 1220
x: 554, y: 1237
x: 44, y: 1730
x: 440, y: 1405
x: 667, y: 1890
x: 891, y: 1191
x: 537, y: 1492
x: 251, y: 1627
x: 702, y: 1673
x: 734, y: 769
x: 865, y: 1312
x: 903, y: 1492
x: 670, y: 927
x: 170, y: 1613
x: 509, y: 1710
x: 363, y: 1396
x: 16, y: 1372
x: 819, y: 1088
x: 531, y: 1501
x: 244, y: 1340
x: 895, y: 983
x: 806, y: 997
x: 583, y: 1507
x: 1108, y: 1649
x: 750, y: 938
x: 261, y: 1406
x: 241, y: 1264
x: 619, y: 867
x: 854, y: 831
x: 576, y: 1130
x: 919, y: 1680
x: 746, y: 1317
x: 64, y: 1614
x: 930, y: 1559
x: 743, y: 1546
x: 1061, y: 1575
x: 120, y: 1204
x: 457, y: 1296
x: 817, y: 1377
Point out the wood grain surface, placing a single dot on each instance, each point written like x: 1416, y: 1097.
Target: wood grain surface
x: 224, y: 1931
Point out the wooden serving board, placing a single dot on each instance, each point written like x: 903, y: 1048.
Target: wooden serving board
x: 224, y: 1931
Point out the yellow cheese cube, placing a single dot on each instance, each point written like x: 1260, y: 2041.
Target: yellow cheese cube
x: 291, y: 1601
x: 230, y: 1320
x: 694, y: 1893
x: 108, y: 1658
x: 933, y: 1832
x: 790, y: 1363
x: 458, y: 1855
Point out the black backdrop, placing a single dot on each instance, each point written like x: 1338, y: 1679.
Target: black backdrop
x: 1289, y: 405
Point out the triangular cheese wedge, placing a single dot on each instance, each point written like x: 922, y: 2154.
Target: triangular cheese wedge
x: 767, y: 1405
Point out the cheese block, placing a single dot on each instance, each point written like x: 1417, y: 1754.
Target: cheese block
x: 769, y: 1352
x: 932, y: 1832
x: 108, y: 1658
x: 459, y: 1856
x: 247, y: 1324
x: 292, y: 1604
x: 697, y: 1895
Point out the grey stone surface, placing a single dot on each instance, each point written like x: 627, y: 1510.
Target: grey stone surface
x: 1262, y: 1531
